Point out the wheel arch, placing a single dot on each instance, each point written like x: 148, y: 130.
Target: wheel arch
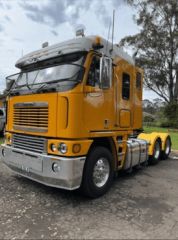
x: 109, y: 143
x: 151, y: 138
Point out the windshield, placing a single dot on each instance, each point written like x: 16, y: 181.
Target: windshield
x: 64, y: 69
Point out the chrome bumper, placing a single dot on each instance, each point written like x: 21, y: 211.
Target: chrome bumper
x: 38, y: 167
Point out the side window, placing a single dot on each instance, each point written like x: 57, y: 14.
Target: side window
x: 93, y: 75
x: 125, y: 86
x: 138, y: 80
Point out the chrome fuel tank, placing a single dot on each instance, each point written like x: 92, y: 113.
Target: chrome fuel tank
x: 137, y: 152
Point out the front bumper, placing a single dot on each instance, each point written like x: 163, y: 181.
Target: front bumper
x: 38, y: 167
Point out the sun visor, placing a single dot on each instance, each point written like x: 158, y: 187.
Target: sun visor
x: 38, y: 57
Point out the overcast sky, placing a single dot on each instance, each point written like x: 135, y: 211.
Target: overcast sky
x: 26, y: 24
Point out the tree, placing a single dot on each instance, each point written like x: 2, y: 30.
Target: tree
x: 157, y: 45
x: 148, y: 106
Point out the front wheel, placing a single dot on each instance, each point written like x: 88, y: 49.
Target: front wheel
x: 98, y: 172
x: 154, y: 159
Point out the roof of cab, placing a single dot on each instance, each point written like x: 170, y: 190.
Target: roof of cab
x: 71, y: 46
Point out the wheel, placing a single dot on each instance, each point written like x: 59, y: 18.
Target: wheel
x: 98, y: 172
x: 167, y: 149
x: 154, y: 159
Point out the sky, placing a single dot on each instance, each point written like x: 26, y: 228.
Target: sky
x: 26, y: 24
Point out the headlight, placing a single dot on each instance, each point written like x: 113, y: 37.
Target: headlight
x: 53, y: 147
x: 9, y: 139
x: 62, y: 148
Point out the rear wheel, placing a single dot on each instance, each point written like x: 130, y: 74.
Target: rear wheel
x: 98, y: 172
x: 167, y: 149
x: 154, y: 159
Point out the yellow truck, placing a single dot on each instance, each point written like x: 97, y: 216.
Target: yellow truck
x: 74, y: 116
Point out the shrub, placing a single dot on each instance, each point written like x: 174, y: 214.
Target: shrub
x: 171, y: 114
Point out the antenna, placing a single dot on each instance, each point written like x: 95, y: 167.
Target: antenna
x: 113, y: 29
x: 108, y: 36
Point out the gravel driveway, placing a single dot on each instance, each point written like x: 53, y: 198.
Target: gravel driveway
x: 143, y: 204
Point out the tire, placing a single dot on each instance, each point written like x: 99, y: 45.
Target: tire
x: 154, y: 159
x: 167, y: 149
x: 97, y: 182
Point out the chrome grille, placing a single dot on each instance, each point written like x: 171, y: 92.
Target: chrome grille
x: 31, y: 117
x: 29, y: 143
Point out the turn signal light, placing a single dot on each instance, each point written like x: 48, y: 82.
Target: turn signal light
x: 53, y: 147
x: 97, y: 44
x: 76, y: 148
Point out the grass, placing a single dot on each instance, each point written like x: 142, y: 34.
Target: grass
x: 173, y: 133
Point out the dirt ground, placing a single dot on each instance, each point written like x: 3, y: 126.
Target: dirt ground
x: 142, y: 205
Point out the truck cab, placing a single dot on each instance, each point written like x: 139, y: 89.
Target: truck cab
x: 74, y: 114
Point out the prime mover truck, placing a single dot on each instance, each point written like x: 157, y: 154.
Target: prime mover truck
x: 74, y: 116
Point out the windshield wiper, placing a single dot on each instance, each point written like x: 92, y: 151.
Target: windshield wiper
x: 54, y: 81
x: 41, y: 88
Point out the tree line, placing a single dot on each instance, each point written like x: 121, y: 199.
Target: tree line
x: 156, y: 50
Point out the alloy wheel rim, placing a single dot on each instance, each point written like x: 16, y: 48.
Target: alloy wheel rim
x: 167, y: 149
x: 157, y: 150
x: 101, y: 172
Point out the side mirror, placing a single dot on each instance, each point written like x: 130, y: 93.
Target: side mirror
x: 9, y: 84
x: 105, y: 72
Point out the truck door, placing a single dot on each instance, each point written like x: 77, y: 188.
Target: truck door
x: 124, y: 97
x: 98, y: 100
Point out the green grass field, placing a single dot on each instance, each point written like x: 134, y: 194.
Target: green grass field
x: 173, y: 134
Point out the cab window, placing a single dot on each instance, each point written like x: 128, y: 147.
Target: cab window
x: 126, y: 86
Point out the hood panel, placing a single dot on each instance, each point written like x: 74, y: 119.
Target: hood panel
x: 33, y: 114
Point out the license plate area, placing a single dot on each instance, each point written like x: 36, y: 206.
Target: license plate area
x: 27, y: 162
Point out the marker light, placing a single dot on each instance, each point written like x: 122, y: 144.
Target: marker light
x: 97, y: 43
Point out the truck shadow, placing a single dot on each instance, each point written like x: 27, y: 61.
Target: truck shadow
x: 76, y: 195
x: 53, y: 192
x: 121, y: 181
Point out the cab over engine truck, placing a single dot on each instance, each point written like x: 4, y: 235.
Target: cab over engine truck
x: 74, y: 116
